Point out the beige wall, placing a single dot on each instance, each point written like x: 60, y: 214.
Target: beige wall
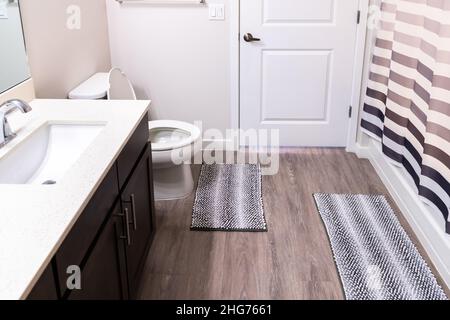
x: 60, y: 58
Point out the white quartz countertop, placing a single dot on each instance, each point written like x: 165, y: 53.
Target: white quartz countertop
x: 35, y: 219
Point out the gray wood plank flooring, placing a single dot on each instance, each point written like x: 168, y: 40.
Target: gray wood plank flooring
x: 293, y: 260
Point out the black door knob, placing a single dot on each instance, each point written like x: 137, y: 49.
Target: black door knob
x: 248, y: 37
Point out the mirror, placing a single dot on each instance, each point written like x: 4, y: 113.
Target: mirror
x: 14, y: 67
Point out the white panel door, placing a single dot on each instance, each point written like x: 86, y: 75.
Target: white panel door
x: 297, y: 71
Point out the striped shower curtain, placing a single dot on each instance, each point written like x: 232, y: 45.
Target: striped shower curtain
x: 407, y: 104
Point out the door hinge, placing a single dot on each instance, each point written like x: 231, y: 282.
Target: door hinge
x: 350, y: 111
x: 358, y: 17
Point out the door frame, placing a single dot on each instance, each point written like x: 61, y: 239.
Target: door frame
x: 358, y: 70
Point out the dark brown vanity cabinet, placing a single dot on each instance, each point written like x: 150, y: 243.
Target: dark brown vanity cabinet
x: 111, y: 239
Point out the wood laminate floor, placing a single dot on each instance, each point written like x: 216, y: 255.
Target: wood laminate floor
x: 293, y: 260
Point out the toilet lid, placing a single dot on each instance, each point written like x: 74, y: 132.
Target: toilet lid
x: 93, y: 88
x: 169, y: 134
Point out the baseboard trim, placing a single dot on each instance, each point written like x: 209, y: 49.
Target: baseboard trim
x: 431, y: 235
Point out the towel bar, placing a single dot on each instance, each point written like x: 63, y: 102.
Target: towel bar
x: 162, y: 2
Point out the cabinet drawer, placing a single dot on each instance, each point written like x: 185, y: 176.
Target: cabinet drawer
x: 130, y: 154
x: 76, y: 245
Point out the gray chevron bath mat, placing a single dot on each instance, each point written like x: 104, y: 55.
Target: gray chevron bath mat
x: 229, y: 198
x: 375, y: 257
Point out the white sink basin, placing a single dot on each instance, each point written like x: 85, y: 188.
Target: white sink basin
x: 47, y: 154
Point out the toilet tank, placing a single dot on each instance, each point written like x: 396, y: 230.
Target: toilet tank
x: 94, y: 88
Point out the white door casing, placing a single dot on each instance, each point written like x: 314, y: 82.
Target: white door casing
x: 299, y: 77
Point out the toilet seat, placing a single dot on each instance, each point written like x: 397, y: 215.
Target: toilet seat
x: 170, y: 134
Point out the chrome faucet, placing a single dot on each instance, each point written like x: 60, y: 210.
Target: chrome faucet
x: 6, y: 134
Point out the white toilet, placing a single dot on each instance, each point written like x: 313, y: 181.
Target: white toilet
x: 174, y: 143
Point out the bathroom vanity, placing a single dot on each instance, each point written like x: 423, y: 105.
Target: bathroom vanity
x: 98, y: 216
x: 113, y: 234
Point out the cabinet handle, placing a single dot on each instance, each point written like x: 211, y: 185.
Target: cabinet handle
x: 127, y: 235
x: 127, y: 222
x: 133, y: 210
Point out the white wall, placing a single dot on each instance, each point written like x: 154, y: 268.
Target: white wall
x: 176, y: 57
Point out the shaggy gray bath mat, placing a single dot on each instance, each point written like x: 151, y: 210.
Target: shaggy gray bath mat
x: 375, y: 257
x: 229, y: 198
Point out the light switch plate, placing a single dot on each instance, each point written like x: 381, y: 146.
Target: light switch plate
x: 216, y: 11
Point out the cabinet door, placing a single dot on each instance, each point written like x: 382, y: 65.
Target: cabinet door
x: 137, y: 202
x: 77, y: 245
x: 103, y: 275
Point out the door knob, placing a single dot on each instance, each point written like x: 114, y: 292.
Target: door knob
x: 248, y: 37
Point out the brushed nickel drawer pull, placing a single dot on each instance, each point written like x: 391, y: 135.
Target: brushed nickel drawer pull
x: 127, y: 222
x: 133, y: 209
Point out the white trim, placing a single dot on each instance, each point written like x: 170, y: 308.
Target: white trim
x: 419, y: 216
x: 358, y: 72
x: 234, y: 63
x: 361, y: 138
